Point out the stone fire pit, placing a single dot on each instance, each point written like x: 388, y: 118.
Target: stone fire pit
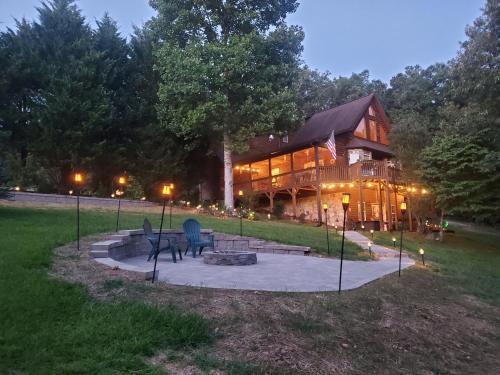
x: 230, y: 258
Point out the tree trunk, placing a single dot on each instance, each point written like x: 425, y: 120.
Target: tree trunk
x: 441, y: 231
x: 228, y: 174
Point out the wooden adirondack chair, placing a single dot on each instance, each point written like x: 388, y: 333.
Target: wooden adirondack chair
x: 153, y: 240
x: 192, y: 232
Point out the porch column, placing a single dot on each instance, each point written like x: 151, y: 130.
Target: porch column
x: 318, y: 184
x: 388, y: 209
x: 410, y: 221
x: 294, y: 202
x: 381, y: 211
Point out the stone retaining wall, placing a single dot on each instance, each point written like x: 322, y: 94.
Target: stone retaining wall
x: 131, y: 243
x: 71, y: 199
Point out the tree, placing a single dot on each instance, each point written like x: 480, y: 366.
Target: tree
x: 464, y: 176
x: 227, y: 72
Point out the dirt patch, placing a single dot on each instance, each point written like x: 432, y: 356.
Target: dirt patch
x: 416, y: 324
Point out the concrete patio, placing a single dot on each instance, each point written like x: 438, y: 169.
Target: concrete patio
x: 273, y: 272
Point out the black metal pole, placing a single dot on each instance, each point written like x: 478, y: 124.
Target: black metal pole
x: 170, y: 214
x: 401, y: 242
x: 78, y: 219
x: 159, y: 240
x: 118, y: 215
x: 241, y: 223
x: 342, y: 253
x: 327, y: 237
x: 423, y: 261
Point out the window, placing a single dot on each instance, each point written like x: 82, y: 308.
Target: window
x: 383, y: 136
x: 303, y: 159
x: 373, y: 130
x: 361, y: 129
x: 280, y: 164
x: 371, y: 111
x: 358, y: 154
x: 260, y: 169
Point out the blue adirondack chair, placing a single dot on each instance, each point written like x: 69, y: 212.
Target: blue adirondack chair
x: 192, y: 232
x: 153, y: 240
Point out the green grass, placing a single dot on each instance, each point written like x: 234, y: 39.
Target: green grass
x: 470, y: 259
x: 52, y: 327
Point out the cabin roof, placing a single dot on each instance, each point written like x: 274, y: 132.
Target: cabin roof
x: 317, y: 128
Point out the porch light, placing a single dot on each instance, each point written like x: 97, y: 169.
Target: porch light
x: 424, y: 191
x: 370, y: 184
x: 351, y: 185
x: 240, y: 193
x: 122, y: 181
x: 341, y: 185
x: 403, y: 208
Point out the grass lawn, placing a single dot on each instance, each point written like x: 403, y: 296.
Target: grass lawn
x: 53, y: 327
x: 469, y: 258
x: 87, y: 318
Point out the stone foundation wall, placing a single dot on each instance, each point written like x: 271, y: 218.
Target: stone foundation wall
x: 308, y: 207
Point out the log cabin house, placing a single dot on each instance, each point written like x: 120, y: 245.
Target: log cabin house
x: 300, y: 171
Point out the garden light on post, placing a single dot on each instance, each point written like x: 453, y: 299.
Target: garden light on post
x: 121, y: 183
x: 165, y: 193
x: 421, y: 252
x: 240, y: 194
x: 325, y: 208
x: 78, y: 181
x: 403, y: 212
x: 345, y: 206
x: 371, y: 232
x: 394, y: 241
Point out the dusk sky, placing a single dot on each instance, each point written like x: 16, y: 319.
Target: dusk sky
x: 342, y: 36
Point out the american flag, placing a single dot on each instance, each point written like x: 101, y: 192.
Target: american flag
x: 331, y: 145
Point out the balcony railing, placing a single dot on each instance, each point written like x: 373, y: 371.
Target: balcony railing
x: 366, y: 169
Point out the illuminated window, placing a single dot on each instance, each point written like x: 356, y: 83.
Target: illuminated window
x: 383, y: 136
x: 373, y: 130
x: 361, y: 129
x: 371, y: 111
x: 280, y: 164
x: 260, y: 169
x: 358, y: 154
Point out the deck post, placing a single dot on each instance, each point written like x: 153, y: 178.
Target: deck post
x: 318, y: 183
x: 396, y: 205
x: 294, y: 202
x: 381, y: 209
x: 361, y: 199
x: 388, y: 209
x: 410, y: 220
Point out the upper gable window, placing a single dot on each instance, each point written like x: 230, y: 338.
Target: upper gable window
x: 373, y: 130
x: 361, y: 129
x: 371, y: 111
x: 383, y: 136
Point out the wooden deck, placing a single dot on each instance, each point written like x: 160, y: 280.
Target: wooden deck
x: 307, y: 178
